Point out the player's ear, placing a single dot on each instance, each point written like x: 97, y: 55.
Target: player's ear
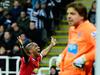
x: 82, y: 17
x: 30, y: 51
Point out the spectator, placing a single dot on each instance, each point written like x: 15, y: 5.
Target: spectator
x: 8, y: 41
x: 23, y: 20
x: 47, y: 18
x: 32, y: 32
x: 24, y: 38
x: 16, y: 30
x: 38, y: 17
x: 59, y: 7
x: 15, y: 10
x: 7, y: 20
x: 2, y: 19
x: 79, y: 55
x: 27, y: 5
x: 2, y: 50
x: 2, y: 29
x: 2, y: 53
x: 53, y: 70
x: 34, y: 2
x: 92, y: 13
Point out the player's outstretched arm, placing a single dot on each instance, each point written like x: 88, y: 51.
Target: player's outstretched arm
x: 47, y: 49
x: 22, y: 51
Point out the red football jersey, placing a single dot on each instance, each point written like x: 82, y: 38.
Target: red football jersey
x: 27, y: 68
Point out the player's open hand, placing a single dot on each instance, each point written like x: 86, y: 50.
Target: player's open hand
x: 20, y: 40
x: 53, y: 41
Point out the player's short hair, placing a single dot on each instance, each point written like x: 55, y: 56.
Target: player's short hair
x: 30, y: 45
x: 80, y: 8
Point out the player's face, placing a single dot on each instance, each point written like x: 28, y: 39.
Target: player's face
x: 73, y: 16
x: 35, y: 50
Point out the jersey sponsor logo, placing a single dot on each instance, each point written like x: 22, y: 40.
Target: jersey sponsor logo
x: 33, y: 59
x: 72, y: 48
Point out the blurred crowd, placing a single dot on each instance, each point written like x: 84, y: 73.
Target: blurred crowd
x: 34, y: 20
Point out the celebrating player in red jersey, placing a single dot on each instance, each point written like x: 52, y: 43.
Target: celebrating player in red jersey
x: 31, y: 56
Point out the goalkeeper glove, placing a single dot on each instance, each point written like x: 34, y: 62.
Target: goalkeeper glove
x: 79, y: 62
x: 58, y: 61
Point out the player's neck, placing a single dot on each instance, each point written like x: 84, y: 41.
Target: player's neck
x: 34, y: 56
x: 79, y: 23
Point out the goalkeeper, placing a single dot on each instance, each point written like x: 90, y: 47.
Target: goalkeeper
x: 79, y: 55
x: 31, y: 57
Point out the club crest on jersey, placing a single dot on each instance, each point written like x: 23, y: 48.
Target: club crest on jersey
x: 79, y: 34
x: 93, y: 34
x: 72, y: 48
